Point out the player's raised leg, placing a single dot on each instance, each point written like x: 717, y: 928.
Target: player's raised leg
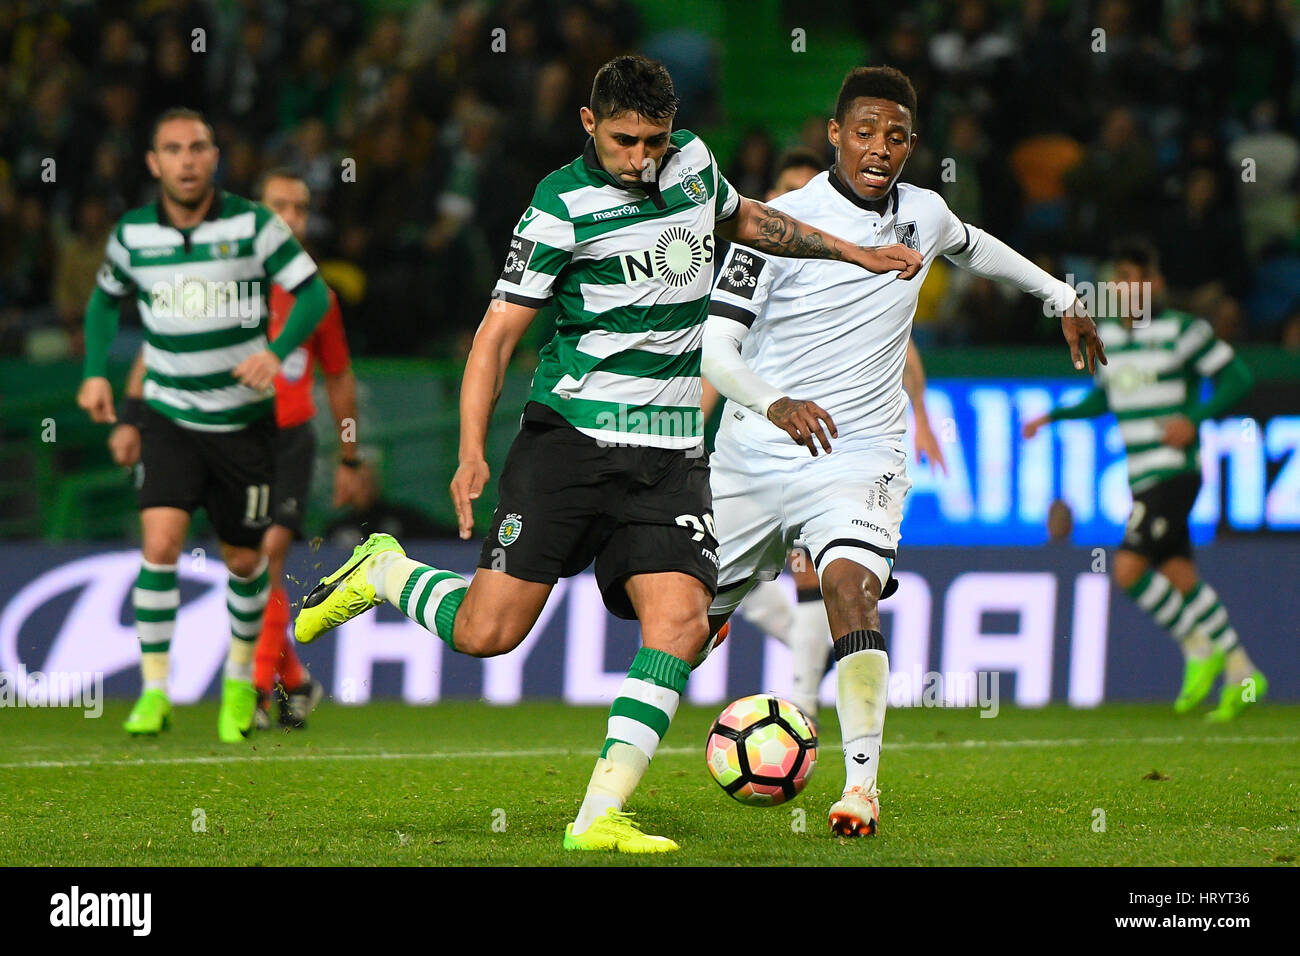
x: 862, y: 673
x: 672, y: 609
x: 156, y: 598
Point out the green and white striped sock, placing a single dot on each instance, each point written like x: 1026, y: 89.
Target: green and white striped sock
x: 427, y: 596
x: 1213, y: 619
x: 638, y: 720
x: 1158, y: 597
x: 246, y: 601
x: 156, y: 597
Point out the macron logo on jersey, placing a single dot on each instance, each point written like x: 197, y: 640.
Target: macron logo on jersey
x: 740, y: 275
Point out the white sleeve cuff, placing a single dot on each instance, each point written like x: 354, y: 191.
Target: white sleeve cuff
x: 726, y: 370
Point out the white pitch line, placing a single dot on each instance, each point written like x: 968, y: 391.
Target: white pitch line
x: 892, y: 748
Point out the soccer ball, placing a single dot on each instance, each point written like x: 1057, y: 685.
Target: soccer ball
x: 762, y: 750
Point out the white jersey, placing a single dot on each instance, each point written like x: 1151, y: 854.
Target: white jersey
x: 831, y: 332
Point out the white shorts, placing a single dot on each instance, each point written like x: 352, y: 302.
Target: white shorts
x: 848, y: 504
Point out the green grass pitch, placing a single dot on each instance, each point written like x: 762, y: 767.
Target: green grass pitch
x: 467, y: 783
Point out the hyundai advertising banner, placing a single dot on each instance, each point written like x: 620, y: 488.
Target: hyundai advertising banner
x: 1044, y: 623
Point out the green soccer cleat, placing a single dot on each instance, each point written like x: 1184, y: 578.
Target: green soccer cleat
x: 151, y: 714
x: 238, y: 705
x: 616, y: 831
x: 1234, y: 698
x: 344, y: 594
x: 1198, y: 678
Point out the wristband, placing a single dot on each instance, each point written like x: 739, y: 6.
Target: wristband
x: 130, y: 411
x: 353, y: 462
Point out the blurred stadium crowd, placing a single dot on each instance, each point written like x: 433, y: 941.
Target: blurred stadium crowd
x: 1185, y: 127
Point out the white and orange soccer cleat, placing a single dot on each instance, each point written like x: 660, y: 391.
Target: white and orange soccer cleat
x: 856, y: 813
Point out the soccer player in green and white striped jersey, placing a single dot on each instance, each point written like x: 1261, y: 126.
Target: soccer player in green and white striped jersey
x: 199, y: 263
x: 609, y: 463
x: 1152, y: 385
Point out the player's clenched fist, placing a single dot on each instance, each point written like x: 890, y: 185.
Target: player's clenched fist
x: 898, y: 258
x: 124, y: 445
x: 802, y: 421
x: 466, y: 486
x: 1032, y: 426
x: 259, y: 370
x: 96, y: 397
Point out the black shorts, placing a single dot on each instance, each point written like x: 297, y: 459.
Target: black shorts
x: 1157, y: 528
x: 566, y: 500
x: 228, y: 474
x: 295, y: 454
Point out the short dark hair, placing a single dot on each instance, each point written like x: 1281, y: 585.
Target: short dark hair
x: 881, y: 82
x: 277, y: 172
x: 1138, y: 250
x: 179, y: 112
x: 801, y: 157
x: 633, y: 84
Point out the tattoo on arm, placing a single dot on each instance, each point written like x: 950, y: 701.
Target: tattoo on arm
x: 777, y: 233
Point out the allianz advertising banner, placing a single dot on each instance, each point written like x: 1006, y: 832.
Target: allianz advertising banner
x: 998, y: 486
x: 1045, y: 623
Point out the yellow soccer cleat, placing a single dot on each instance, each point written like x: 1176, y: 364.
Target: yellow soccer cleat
x: 616, y: 831
x: 238, y: 707
x: 1198, y: 680
x: 345, y: 593
x: 1234, y: 698
x: 151, y: 715
x: 856, y: 813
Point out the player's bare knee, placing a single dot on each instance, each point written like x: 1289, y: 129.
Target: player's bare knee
x: 480, y: 636
x: 160, y: 547
x: 243, y: 562
x: 1127, y: 568
x: 682, y: 634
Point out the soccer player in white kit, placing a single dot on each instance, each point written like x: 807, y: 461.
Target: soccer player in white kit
x: 827, y: 331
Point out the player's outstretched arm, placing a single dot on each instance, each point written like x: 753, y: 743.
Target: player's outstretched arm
x: 485, y: 370
x: 1090, y: 406
x: 770, y: 230
x: 722, y: 364
x: 990, y: 257
x: 914, y: 384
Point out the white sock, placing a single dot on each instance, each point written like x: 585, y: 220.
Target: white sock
x: 810, y: 642
x: 769, y: 610
x: 1238, y: 667
x: 862, y: 693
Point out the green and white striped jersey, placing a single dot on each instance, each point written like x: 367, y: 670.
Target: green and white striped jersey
x: 1154, y: 373
x: 629, y: 272
x: 202, y: 296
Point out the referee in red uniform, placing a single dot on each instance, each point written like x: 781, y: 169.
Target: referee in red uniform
x: 295, y: 452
